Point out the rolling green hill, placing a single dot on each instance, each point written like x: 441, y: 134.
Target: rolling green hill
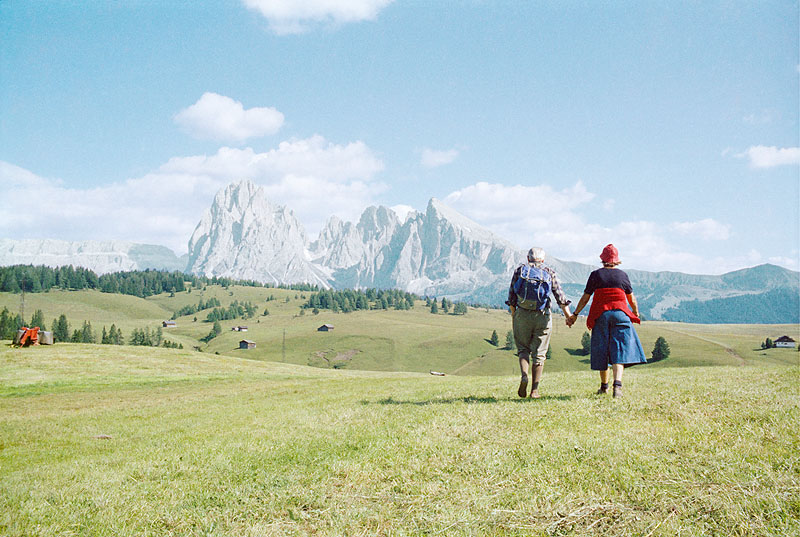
x: 386, y: 340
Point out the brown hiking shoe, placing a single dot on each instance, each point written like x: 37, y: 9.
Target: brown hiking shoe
x: 522, y: 391
x: 617, y: 392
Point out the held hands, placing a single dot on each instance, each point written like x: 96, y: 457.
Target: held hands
x: 570, y: 319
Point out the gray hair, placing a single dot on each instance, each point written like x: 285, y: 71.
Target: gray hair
x: 535, y: 254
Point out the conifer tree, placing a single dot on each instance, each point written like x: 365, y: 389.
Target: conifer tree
x: 6, y: 324
x: 495, y: 339
x: 509, y: 340
x: 61, y: 329
x: 586, y: 343
x: 38, y: 320
x: 660, y: 349
x: 87, y: 334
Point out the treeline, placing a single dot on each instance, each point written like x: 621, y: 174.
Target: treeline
x: 459, y: 308
x: 60, y: 327
x: 779, y: 306
x: 351, y: 300
x: 141, y: 283
x: 191, y: 309
x: 234, y: 311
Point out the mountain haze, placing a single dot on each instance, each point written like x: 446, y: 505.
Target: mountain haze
x: 438, y: 252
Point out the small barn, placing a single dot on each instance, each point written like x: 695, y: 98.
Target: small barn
x: 169, y: 324
x: 247, y: 344
x: 785, y: 342
x: 325, y: 328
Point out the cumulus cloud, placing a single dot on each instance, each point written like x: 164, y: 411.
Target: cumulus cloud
x: 313, y: 177
x: 402, y: 211
x: 293, y: 17
x: 217, y: 117
x: 554, y: 219
x: 313, y: 156
x: 761, y: 156
x: 432, y: 158
x: 707, y: 228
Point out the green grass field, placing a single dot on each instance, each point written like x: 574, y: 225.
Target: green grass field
x: 345, y: 433
x: 389, y: 340
x: 131, y: 441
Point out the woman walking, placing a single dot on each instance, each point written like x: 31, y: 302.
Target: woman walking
x: 614, y: 340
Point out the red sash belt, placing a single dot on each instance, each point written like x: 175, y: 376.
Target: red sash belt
x: 609, y: 298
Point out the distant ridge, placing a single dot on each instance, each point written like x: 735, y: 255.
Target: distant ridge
x: 438, y: 252
x: 100, y: 256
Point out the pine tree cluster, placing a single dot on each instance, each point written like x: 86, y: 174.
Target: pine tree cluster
x: 234, y: 311
x: 141, y: 283
x: 459, y: 308
x: 351, y: 300
x: 192, y: 309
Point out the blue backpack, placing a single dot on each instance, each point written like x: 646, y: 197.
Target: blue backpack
x: 533, y: 288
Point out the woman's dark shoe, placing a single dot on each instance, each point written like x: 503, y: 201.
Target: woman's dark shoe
x: 523, y: 386
x: 602, y: 391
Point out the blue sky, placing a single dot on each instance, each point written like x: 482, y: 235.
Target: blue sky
x: 668, y: 128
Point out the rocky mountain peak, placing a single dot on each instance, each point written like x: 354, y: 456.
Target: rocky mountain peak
x: 244, y: 236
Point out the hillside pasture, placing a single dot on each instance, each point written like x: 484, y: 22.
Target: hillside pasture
x: 388, y: 340
x: 124, y: 441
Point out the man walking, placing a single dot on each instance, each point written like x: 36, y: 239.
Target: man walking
x: 529, y: 301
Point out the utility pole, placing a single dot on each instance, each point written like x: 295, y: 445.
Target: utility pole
x: 22, y: 303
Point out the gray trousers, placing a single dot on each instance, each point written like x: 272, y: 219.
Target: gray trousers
x: 532, y: 330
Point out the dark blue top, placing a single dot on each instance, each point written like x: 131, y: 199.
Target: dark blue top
x: 607, y: 278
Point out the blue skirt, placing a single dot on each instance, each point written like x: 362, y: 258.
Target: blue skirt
x: 614, y: 341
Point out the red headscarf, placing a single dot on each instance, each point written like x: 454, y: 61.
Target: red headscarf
x: 610, y: 255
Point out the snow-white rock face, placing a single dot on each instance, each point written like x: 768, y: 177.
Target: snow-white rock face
x: 355, y: 255
x: 99, y: 256
x: 244, y: 236
x: 441, y: 252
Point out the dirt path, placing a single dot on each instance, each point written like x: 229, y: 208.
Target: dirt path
x: 729, y: 350
x: 457, y: 370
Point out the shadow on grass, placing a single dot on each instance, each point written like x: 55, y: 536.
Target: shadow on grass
x: 470, y: 399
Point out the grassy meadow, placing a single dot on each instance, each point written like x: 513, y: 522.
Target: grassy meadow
x: 130, y: 441
x: 388, y: 340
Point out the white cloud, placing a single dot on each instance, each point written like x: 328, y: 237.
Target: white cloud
x: 216, y: 117
x: 707, y: 228
x: 553, y: 219
x: 293, y: 17
x: 788, y: 262
x: 312, y: 177
x: 313, y: 156
x: 761, y: 156
x: 432, y: 158
x: 402, y: 211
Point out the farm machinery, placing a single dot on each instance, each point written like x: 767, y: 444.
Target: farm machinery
x: 26, y: 337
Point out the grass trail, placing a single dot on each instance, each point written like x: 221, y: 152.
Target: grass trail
x: 727, y: 348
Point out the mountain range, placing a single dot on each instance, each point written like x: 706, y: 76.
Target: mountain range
x: 438, y: 252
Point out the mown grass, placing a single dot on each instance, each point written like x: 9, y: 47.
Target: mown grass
x: 181, y: 443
